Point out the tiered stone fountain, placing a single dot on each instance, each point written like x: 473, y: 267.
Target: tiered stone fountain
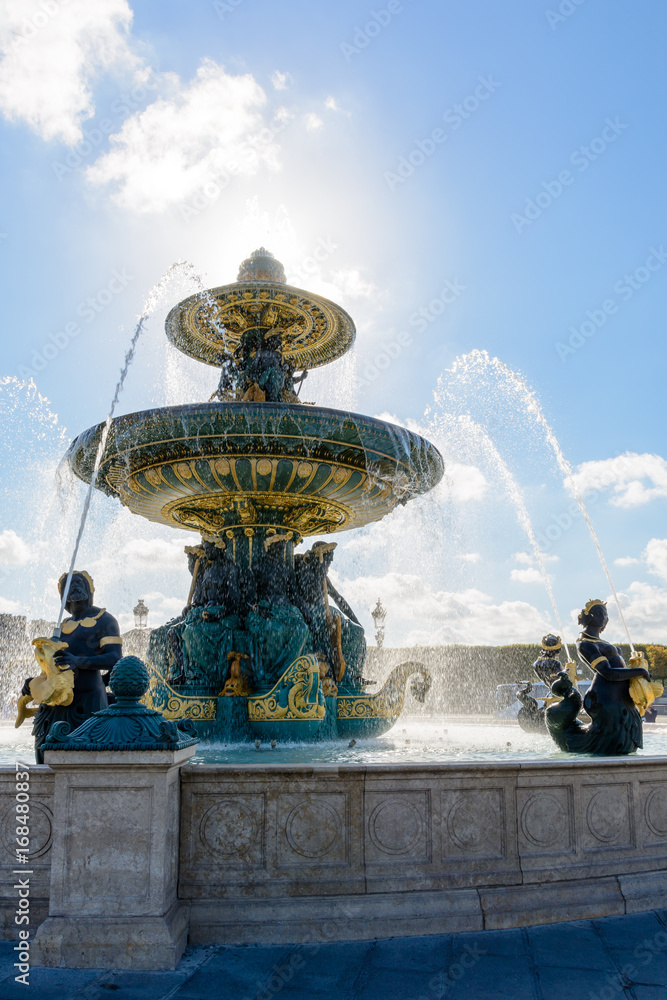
x: 259, y: 651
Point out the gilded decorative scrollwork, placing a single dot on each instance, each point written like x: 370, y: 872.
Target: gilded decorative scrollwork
x: 161, y: 697
x: 297, y: 696
x: 217, y: 511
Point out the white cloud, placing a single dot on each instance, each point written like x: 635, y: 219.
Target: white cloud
x: 331, y: 104
x: 465, y: 482
x: 528, y: 559
x: 281, y: 81
x: 8, y: 607
x: 529, y: 575
x: 202, y: 135
x: 13, y: 550
x: 645, y: 611
x: 635, y: 479
x: 313, y: 121
x: 51, y: 53
x: 154, y: 553
x: 626, y: 561
x: 469, y: 557
x: 655, y: 555
x: 351, y: 285
x: 427, y: 617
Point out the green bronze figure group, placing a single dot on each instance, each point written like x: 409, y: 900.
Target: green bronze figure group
x: 245, y: 623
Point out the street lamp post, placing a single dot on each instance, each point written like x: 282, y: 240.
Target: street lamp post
x: 140, y: 613
x: 378, y: 614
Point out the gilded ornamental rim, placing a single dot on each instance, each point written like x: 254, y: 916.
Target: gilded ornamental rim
x: 315, y: 330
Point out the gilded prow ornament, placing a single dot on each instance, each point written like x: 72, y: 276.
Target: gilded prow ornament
x: 373, y: 714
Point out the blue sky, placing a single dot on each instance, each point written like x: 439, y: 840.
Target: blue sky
x: 480, y: 176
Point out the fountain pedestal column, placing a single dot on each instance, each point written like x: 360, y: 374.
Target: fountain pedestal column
x: 114, y: 868
x: 114, y: 871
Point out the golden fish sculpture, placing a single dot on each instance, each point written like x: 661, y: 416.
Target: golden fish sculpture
x: 643, y: 692
x: 52, y: 686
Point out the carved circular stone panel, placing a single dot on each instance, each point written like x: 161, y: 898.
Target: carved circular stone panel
x: 655, y: 811
x: 464, y: 826
x: 41, y: 831
x: 228, y: 828
x: 543, y: 821
x: 604, y: 817
x: 395, y: 826
x: 312, y: 829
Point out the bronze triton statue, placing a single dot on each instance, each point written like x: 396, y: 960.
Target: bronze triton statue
x: 75, y: 668
x: 547, y: 667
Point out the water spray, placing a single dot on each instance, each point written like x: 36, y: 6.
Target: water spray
x: 533, y: 408
x: 519, y: 503
x: 151, y: 303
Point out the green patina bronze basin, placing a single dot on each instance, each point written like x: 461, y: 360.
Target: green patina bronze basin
x: 219, y: 466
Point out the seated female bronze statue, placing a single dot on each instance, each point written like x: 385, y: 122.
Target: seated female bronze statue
x: 616, y: 726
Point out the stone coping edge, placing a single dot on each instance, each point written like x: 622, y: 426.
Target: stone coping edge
x: 127, y: 758
x: 322, y: 767
x: 414, y: 767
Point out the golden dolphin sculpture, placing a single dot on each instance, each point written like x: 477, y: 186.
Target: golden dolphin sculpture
x: 52, y: 686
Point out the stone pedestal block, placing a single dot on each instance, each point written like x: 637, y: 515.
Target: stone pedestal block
x: 114, y: 871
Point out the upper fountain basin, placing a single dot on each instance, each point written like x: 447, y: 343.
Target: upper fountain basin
x: 214, y: 466
x: 209, y: 326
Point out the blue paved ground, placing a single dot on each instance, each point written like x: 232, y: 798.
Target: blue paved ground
x: 617, y: 958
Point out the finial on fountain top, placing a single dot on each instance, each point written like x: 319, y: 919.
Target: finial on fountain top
x: 261, y: 265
